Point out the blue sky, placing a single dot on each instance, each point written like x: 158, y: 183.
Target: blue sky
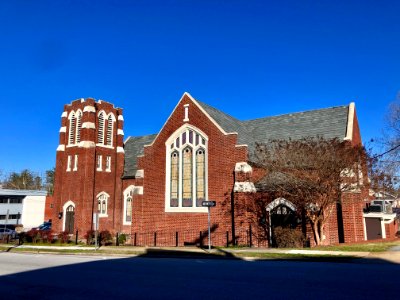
x: 248, y: 58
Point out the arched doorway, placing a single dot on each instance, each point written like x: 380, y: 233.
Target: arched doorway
x: 282, y: 213
x: 283, y: 216
x: 69, y: 219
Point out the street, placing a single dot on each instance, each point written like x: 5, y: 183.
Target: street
x: 46, y: 276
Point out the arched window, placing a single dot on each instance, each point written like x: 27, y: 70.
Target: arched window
x: 174, y: 179
x: 128, y: 202
x: 100, y: 131
x: 102, y: 200
x: 187, y: 169
x: 72, y: 128
x: 78, y: 126
x: 186, y: 176
x: 200, y: 176
x: 128, y: 211
x: 109, y: 130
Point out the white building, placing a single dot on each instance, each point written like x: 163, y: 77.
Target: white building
x: 24, y: 207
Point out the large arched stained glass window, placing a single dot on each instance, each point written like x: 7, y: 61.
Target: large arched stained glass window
x: 186, y: 176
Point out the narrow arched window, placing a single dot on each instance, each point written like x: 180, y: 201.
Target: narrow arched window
x: 78, y: 126
x: 72, y: 128
x: 128, y: 203
x: 102, y: 200
x: 128, y: 213
x: 187, y: 178
x: 200, y: 176
x: 174, y: 197
x: 100, y: 131
x: 109, y: 131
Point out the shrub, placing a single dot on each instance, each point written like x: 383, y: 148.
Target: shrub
x: 89, y: 236
x: 46, y: 236
x: 33, y: 236
x: 105, y: 238
x: 63, y: 237
x: 288, y: 238
x: 122, y: 238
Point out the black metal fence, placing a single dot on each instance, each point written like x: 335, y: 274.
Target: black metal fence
x: 192, y: 238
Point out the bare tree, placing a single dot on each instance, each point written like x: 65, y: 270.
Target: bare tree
x: 25, y: 180
x: 50, y: 181
x: 385, y: 162
x: 312, y: 173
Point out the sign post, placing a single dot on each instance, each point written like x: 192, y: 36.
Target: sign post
x: 96, y: 228
x: 209, y: 204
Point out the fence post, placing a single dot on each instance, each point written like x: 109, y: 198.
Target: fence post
x: 155, y: 239
x: 117, y: 240
x: 201, y: 239
x: 251, y: 236
x: 227, y: 239
x: 134, y: 239
x: 76, y: 238
x: 176, y: 239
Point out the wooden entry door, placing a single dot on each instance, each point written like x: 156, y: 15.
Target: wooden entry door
x: 69, y: 219
x: 373, y: 227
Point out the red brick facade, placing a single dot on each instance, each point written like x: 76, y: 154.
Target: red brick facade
x: 151, y: 224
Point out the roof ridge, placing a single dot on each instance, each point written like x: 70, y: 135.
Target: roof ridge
x: 220, y: 111
x: 140, y: 136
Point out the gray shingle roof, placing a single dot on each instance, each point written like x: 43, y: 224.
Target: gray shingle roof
x: 134, y: 146
x: 327, y: 123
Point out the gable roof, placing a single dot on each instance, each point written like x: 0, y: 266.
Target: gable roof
x: 328, y: 123
x: 134, y: 147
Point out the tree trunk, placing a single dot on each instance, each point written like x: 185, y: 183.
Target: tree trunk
x: 317, y: 239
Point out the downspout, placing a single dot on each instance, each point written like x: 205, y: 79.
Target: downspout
x: 233, y: 209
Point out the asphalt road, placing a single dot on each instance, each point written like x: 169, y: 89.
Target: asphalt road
x: 45, y: 276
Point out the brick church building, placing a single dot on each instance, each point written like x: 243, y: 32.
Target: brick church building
x: 152, y: 187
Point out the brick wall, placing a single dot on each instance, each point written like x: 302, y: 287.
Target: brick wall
x: 83, y: 185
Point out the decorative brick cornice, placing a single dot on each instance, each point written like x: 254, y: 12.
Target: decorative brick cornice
x: 139, y: 174
x: 244, y: 187
x: 87, y: 144
x: 89, y: 125
x: 120, y: 150
x: 243, y: 167
x: 89, y: 108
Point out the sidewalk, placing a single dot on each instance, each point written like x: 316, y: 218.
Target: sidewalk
x: 186, y: 251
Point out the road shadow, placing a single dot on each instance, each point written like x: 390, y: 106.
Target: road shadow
x: 163, y: 274
x: 188, y: 254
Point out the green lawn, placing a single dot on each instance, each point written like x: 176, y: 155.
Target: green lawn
x: 367, y: 247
